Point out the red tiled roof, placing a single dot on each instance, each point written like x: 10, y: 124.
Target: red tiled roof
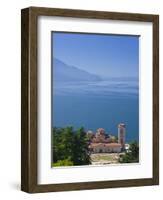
x: 113, y: 144
x: 105, y: 144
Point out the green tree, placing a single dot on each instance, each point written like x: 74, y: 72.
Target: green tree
x: 70, y: 145
x: 65, y: 162
x: 132, y: 154
x: 62, y: 143
x: 81, y: 150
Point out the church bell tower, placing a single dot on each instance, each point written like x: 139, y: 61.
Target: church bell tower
x: 121, y: 134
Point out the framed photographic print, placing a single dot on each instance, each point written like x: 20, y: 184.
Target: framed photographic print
x: 90, y: 99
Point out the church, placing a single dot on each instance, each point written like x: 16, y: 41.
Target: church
x: 100, y: 142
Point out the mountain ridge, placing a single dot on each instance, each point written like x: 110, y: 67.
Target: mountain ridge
x: 64, y: 72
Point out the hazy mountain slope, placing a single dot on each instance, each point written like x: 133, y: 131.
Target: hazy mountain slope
x: 64, y: 72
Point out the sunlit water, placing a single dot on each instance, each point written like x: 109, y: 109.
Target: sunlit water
x: 97, y: 104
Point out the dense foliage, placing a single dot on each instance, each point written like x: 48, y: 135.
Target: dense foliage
x: 70, y: 147
x: 131, y: 155
x: 65, y: 162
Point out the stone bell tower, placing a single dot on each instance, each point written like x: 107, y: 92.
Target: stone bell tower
x: 121, y: 134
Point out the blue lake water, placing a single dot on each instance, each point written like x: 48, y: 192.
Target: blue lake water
x: 101, y: 104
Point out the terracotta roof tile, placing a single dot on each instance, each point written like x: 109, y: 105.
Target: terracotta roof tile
x: 105, y: 144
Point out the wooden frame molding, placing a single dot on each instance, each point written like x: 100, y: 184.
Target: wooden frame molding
x: 29, y: 99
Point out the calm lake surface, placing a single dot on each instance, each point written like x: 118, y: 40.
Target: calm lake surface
x: 101, y: 104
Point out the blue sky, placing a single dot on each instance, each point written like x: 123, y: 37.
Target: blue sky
x: 104, y: 55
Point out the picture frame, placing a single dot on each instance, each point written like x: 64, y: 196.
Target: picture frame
x: 29, y: 98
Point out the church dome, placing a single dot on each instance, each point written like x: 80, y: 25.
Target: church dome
x: 100, y: 131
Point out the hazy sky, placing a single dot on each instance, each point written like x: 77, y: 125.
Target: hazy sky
x: 104, y: 55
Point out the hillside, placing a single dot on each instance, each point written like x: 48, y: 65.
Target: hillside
x: 63, y: 72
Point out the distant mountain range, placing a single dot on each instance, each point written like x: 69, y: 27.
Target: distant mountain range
x: 64, y: 72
